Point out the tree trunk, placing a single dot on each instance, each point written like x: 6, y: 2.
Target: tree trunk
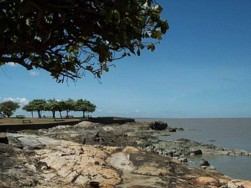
x: 67, y: 113
x: 39, y: 113
x: 60, y: 114
x: 53, y: 114
x: 83, y: 114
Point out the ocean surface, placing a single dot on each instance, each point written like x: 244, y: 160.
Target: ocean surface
x: 234, y: 133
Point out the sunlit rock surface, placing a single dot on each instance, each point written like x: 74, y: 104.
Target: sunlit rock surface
x: 46, y: 159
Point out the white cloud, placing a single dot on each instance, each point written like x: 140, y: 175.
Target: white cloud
x: 21, y: 101
x: 12, y: 64
x: 137, y: 111
x: 34, y: 73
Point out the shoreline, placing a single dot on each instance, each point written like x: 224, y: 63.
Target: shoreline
x: 140, y: 139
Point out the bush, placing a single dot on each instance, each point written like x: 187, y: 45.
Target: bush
x: 20, y: 116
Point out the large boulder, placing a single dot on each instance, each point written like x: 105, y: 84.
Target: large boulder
x: 158, y: 125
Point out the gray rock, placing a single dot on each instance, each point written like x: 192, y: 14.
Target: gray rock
x: 211, y: 168
x: 196, y: 152
x: 182, y: 159
x: 203, y: 167
x: 172, y: 130
x: 204, y: 162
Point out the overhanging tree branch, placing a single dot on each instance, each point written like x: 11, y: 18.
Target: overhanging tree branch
x: 67, y: 38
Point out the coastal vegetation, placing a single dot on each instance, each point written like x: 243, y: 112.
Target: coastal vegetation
x: 52, y: 105
x: 69, y: 38
x: 8, y: 108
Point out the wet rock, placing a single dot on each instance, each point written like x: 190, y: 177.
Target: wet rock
x: 204, y: 162
x: 196, y: 152
x: 158, y: 125
x: 172, y: 130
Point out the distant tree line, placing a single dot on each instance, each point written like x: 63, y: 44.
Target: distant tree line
x: 52, y: 105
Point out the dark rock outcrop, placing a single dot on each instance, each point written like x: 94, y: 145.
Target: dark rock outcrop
x: 158, y: 125
x: 111, y: 120
x: 3, y: 138
x: 204, y: 162
x: 196, y: 152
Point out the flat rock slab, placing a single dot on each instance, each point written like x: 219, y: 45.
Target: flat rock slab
x: 50, y: 160
x: 27, y: 140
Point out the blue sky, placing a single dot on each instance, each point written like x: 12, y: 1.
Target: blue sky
x: 201, y: 68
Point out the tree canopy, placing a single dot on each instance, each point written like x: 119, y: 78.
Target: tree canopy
x: 8, y: 108
x: 36, y: 105
x: 68, y: 38
x: 84, y: 106
x: 52, y: 105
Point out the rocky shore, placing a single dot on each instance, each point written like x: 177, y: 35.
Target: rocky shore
x: 112, y: 155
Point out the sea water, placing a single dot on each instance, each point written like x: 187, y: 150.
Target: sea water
x: 234, y: 133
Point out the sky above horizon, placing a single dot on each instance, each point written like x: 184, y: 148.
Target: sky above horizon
x: 201, y: 68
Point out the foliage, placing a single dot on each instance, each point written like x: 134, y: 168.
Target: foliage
x: 53, y: 106
x: 61, y: 107
x: 69, y: 105
x: 29, y: 108
x: 36, y: 105
x: 84, y: 106
x: 68, y: 38
x: 8, y: 108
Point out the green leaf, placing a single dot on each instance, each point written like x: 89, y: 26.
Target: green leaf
x: 164, y: 27
x: 151, y: 47
x: 80, y: 35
